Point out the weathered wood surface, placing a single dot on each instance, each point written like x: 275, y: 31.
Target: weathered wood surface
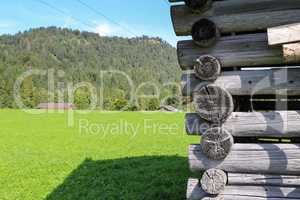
x: 263, y: 180
x: 284, y: 34
x: 199, y: 5
x: 249, y: 82
x: 216, y: 143
x: 213, y: 103
x: 291, y: 52
x: 207, y: 68
x: 238, y: 16
x: 205, y: 33
x: 251, y: 158
x: 246, y: 50
x: 252, y: 124
x: 194, y: 192
x: 213, y: 181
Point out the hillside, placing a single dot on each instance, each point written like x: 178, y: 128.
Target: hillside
x: 82, y: 56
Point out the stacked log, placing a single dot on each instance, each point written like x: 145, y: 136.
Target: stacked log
x: 242, y: 73
x: 236, y: 16
x: 238, y: 192
x: 289, y: 37
x: 250, y: 124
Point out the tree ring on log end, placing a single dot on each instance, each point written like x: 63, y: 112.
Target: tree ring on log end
x: 198, y: 4
x: 213, y: 103
x: 214, y: 181
x: 216, y: 143
x: 207, y: 68
x: 205, y: 33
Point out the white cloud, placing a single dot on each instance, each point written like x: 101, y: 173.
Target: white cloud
x: 105, y: 29
x: 69, y: 21
x: 110, y: 29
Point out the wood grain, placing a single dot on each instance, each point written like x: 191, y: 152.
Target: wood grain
x: 251, y: 158
x: 207, y: 68
x: 248, y: 50
x: 284, y: 34
x: 205, y: 33
x: 251, y: 124
x: 284, y: 81
x: 213, y: 103
x: 238, y: 16
x: 262, y: 180
x: 216, y: 143
x: 291, y: 52
x: 213, y: 181
x: 194, y: 192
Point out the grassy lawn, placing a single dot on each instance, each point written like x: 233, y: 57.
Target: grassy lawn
x: 102, y: 156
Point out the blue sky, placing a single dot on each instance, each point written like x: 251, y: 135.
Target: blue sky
x: 126, y: 18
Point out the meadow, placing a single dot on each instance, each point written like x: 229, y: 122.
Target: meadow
x: 101, y: 155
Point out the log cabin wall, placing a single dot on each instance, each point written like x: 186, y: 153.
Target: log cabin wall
x: 241, y: 70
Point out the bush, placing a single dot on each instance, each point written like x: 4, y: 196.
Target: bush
x: 119, y: 104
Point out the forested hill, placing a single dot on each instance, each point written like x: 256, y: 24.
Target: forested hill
x: 82, y: 55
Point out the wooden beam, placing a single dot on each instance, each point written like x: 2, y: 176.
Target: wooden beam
x: 263, y: 180
x: 284, y: 34
x: 214, y: 182
x: 291, y: 52
x: 238, y: 16
x: 250, y: 158
x: 284, y: 81
x: 194, y: 192
x: 252, y: 124
x: 248, y: 50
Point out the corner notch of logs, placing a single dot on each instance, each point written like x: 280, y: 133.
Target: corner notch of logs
x: 245, y: 87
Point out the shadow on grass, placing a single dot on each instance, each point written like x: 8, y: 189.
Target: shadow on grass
x: 163, y: 177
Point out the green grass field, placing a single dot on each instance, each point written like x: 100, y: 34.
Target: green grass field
x: 103, y: 156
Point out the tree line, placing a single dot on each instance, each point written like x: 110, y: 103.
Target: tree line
x: 81, y: 57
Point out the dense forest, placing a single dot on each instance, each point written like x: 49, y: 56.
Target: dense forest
x: 82, y: 57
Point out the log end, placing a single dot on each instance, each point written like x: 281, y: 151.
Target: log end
x: 207, y: 68
x: 205, y: 33
x: 213, y: 103
x: 291, y: 53
x: 216, y: 143
x: 213, y: 181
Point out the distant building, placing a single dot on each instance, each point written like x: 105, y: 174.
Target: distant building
x: 56, y: 106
